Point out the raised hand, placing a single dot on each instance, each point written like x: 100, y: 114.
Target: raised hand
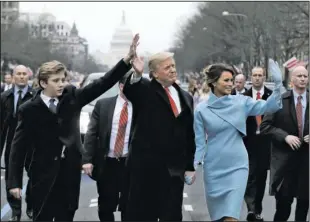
x: 133, y: 47
x: 138, y: 65
x: 275, y: 70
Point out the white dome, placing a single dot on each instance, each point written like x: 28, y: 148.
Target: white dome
x: 122, y: 36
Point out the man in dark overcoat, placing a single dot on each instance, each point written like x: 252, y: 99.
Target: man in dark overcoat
x: 289, y: 170
x: 11, y: 100
x: 162, y: 146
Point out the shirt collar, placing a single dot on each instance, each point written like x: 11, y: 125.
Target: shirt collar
x: 303, y: 95
x: 261, y: 91
x: 46, y: 98
x: 24, y: 90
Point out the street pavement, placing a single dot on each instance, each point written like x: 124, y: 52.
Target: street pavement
x: 194, y: 206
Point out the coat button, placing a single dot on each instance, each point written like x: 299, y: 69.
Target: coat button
x: 56, y: 158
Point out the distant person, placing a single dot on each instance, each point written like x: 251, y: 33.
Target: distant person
x: 239, y: 85
x: 8, y: 82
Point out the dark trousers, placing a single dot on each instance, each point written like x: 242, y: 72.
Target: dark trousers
x: 111, y: 186
x: 256, y: 184
x: 154, y: 194
x: 56, y: 206
x: 255, y: 190
x: 15, y: 204
x: 283, y: 207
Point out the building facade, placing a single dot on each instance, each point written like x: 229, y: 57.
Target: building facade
x: 9, y: 13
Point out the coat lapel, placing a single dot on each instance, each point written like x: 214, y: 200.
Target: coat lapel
x: 161, y: 93
x: 10, y: 101
x: 109, y: 115
x: 183, y: 97
x: 248, y: 92
x: 293, y: 109
x: 267, y: 93
x: 306, y: 124
x: 39, y: 102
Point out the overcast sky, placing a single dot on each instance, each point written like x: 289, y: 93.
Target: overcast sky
x: 156, y: 22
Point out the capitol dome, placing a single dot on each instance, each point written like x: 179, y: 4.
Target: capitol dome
x: 123, y: 34
x: 122, y: 38
x: 120, y: 43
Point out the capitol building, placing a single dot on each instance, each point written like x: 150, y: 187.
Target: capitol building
x: 119, y: 45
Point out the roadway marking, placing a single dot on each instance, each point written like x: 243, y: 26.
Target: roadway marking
x: 185, y: 195
x: 95, y: 200
x: 6, y: 208
x: 93, y: 205
x: 188, y: 207
x: 2, y: 177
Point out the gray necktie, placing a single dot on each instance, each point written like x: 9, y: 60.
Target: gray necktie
x: 52, y: 105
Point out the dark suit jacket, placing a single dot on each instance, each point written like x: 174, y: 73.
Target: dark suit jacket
x: 159, y: 138
x: 97, y: 138
x: 233, y: 91
x: 8, y: 122
x: 48, y: 133
x: 285, y: 162
x: 258, y: 146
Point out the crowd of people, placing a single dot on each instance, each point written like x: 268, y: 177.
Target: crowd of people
x: 144, y: 144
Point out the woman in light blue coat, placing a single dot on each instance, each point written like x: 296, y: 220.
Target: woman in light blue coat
x: 223, y: 118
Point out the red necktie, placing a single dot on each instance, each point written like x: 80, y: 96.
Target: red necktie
x: 299, y: 116
x: 258, y: 118
x: 120, y: 138
x: 172, y: 103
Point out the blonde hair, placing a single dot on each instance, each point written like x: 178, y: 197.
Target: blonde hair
x: 49, y: 68
x: 157, y: 58
x: 205, y: 88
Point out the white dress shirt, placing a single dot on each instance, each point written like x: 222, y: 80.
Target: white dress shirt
x: 240, y: 92
x: 46, y: 99
x: 115, y: 122
x: 254, y: 92
x: 303, y: 104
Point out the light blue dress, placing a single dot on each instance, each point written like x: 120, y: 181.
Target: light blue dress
x: 224, y: 156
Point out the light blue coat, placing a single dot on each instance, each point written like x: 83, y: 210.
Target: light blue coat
x: 224, y: 156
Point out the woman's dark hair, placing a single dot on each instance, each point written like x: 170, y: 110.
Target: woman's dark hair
x: 214, y: 72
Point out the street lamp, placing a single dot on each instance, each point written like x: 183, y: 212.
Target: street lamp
x: 226, y: 13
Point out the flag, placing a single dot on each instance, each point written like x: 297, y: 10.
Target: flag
x: 291, y: 63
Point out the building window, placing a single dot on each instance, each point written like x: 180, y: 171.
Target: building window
x: 62, y: 27
x: 66, y: 33
x: 10, y: 4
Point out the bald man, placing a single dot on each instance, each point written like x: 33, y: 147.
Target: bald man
x: 239, y: 85
x: 11, y: 100
x: 289, y: 170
